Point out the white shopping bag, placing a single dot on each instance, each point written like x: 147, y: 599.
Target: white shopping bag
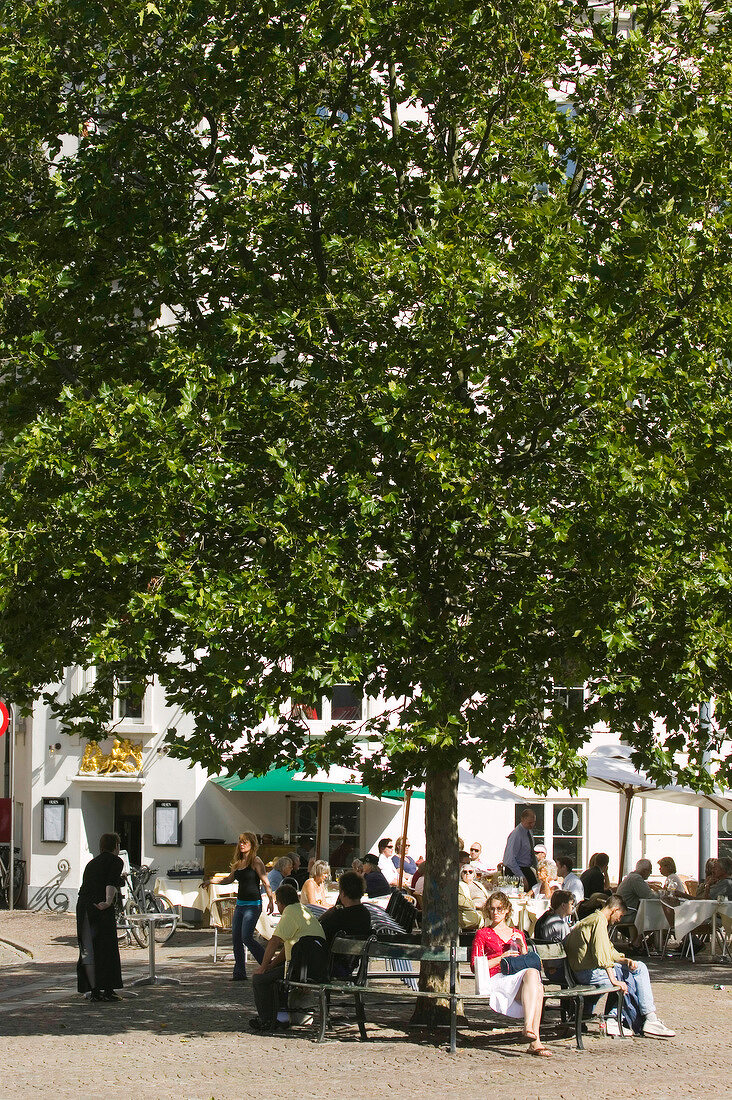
x: 482, y: 976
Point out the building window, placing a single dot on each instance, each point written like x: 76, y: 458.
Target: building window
x: 166, y: 823
x: 53, y: 821
x: 573, y: 698
x: 538, y: 807
x: 568, y: 831
x: 344, y: 835
x: 724, y: 834
x: 559, y: 827
x: 346, y: 703
x: 130, y: 701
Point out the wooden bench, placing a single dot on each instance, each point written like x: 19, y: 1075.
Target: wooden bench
x: 365, y: 951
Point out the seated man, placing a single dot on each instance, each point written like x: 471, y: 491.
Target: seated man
x: 595, y: 961
x: 282, y: 869
x: 349, y: 917
x: 387, y: 868
x: 476, y: 857
x: 296, y: 922
x: 376, y: 885
x: 634, y: 886
x: 720, y: 886
x: 570, y: 880
x: 632, y: 890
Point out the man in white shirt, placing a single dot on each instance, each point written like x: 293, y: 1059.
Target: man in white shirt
x: 570, y: 881
x: 386, y: 866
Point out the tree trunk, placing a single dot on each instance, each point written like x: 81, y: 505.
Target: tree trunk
x: 439, y: 901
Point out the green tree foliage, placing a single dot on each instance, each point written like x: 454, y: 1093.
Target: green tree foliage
x: 382, y: 343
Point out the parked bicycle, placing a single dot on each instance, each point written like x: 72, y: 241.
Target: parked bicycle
x: 18, y: 876
x: 137, y: 900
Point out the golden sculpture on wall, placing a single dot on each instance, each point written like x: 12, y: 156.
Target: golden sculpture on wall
x: 125, y: 757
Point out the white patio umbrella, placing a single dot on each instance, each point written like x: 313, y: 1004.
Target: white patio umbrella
x: 475, y: 786
x: 609, y: 768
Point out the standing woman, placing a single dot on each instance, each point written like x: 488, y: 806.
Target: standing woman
x: 248, y: 871
x: 99, y: 969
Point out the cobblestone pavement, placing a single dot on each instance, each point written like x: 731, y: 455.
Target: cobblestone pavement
x: 191, y: 1041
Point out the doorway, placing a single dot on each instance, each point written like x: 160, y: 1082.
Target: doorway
x: 128, y: 823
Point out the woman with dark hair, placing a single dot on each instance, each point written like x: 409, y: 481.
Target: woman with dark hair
x: 248, y: 871
x: 595, y: 879
x: 99, y: 971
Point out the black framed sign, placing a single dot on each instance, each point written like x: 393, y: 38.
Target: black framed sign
x: 53, y: 820
x: 166, y: 823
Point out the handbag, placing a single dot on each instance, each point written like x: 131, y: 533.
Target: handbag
x: 514, y: 964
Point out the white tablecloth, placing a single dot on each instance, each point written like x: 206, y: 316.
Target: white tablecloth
x: 651, y: 916
x: 526, y: 912
x: 183, y: 891
x: 690, y: 914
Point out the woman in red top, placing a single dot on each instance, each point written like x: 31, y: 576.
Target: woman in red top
x: 520, y: 994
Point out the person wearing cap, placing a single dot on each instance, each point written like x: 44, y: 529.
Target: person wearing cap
x: 376, y: 885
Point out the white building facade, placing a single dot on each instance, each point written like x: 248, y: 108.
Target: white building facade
x: 67, y: 795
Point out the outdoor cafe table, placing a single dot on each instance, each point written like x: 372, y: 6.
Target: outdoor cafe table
x: 527, y: 910
x: 182, y: 893
x: 152, y: 919
x: 692, y: 913
x: 651, y: 918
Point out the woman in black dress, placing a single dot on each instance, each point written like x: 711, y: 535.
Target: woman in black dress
x: 99, y: 969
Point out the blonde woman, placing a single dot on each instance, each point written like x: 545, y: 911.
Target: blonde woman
x: 248, y: 871
x: 313, y: 890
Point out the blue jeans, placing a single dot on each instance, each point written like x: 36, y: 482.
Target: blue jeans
x: 639, y: 992
x: 242, y: 933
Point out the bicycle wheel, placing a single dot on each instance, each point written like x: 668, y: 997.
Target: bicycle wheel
x: 163, y: 929
x: 139, y: 928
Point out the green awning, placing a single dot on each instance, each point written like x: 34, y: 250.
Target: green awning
x: 292, y: 781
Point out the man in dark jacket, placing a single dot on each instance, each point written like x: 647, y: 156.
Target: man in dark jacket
x: 376, y: 884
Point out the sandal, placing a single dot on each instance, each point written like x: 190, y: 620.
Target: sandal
x: 540, y: 1052
x: 530, y: 1036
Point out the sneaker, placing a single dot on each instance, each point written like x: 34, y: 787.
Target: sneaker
x: 612, y: 1027
x: 656, y: 1029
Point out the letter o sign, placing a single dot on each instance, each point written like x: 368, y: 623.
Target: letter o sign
x: 567, y: 820
x: 725, y: 821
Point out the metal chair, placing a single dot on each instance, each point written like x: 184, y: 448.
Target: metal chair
x: 223, y: 909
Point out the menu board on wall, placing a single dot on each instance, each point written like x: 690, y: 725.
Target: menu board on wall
x: 53, y: 822
x: 166, y: 826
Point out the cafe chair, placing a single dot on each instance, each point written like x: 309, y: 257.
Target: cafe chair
x: 222, y: 910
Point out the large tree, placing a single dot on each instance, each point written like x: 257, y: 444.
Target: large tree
x: 380, y: 343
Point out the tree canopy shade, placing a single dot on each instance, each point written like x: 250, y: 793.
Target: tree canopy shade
x: 379, y: 343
